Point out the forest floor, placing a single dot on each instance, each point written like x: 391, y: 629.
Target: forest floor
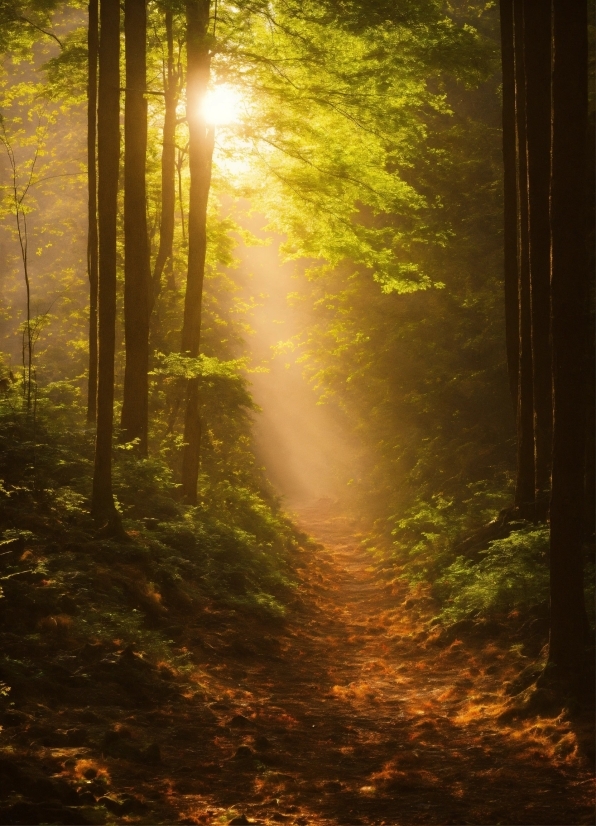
x: 350, y: 711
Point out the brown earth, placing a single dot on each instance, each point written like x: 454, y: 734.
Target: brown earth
x: 351, y: 711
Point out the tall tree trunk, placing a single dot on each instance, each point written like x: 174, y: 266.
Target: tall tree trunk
x: 590, y: 470
x: 137, y: 273
x: 510, y: 199
x: 524, y: 490
x: 108, y: 157
x: 200, y: 153
x: 590, y: 462
x: 92, y: 252
x: 168, y: 164
x: 569, y: 286
x: 537, y: 51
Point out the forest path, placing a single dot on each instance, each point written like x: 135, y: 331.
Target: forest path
x: 360, y: 718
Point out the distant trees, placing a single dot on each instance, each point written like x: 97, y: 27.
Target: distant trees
x: 545, y: 134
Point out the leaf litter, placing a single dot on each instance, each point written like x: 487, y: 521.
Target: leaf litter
x: 352, y: 710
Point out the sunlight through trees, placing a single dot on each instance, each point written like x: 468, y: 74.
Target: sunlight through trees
x: 271, y: 269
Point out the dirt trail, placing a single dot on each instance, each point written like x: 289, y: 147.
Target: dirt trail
x: 360, y: 719
x: 347, y: 712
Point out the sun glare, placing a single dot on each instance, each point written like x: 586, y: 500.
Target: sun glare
x: 222, y: 105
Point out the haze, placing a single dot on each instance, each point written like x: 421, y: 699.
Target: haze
x: 301, y: 442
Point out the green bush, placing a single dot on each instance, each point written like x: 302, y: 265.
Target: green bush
x: 423, y: 539
x: 512, y: 574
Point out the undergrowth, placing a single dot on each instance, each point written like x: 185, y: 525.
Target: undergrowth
x: 425, y: 536
x: 511, y: 574
x: 496, y: 571
x: 233, y: 551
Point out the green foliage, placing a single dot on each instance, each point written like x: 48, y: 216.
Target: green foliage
x: 67, y: 71
x: 512, y: 575
x: 423, y: 539
x: 235, y: 545
x: 344, y: 173
x: 184, y: 367
x: 22, y: 25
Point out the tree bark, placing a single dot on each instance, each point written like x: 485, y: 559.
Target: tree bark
x: 168, y: 165
x: 137, y: 273
x: 108, y: 156
x: 200, y: 153
x: 569, y: 630
x: 537, y: 51
x: 590, y: 469
x: 524, y: 489
x: 510, y: 199
x: 92, y: 251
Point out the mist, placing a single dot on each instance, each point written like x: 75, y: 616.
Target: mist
x: 304, y: 445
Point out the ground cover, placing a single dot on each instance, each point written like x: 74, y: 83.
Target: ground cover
x: 351, y: 709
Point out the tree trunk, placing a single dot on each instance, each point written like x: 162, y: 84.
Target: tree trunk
x: 200, y: 153
x: 589, y: 521
x: 537, y: 42
x: 569, y: 631
x: 168, y: 165
x: 108, y: 156
x: 524, y: 490
x: 590, y: 471
x: 137, y: 273
x: 92, y: 253
x: 510, y: 199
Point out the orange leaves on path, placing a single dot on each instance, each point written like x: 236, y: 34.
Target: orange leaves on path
x: 353, y: 711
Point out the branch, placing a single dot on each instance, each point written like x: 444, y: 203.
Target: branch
x: 61, y: 175
x: 39, y: 29
x: 143, y: 91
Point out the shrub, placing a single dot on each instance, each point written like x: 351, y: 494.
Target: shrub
x: 512, y: 574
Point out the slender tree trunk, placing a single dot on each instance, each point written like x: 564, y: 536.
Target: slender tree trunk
x: 200, y: 153
x: 569, y: 284
x: 510, y: 199
x: 108, y: 156
x: 137, y: 273
x: 179, y: 165
x: 524, y: 490
x: 537, y: 50
x: 92, y: 252
x: 168, y: 164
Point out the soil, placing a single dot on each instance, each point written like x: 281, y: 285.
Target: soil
x: 353, y: 710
